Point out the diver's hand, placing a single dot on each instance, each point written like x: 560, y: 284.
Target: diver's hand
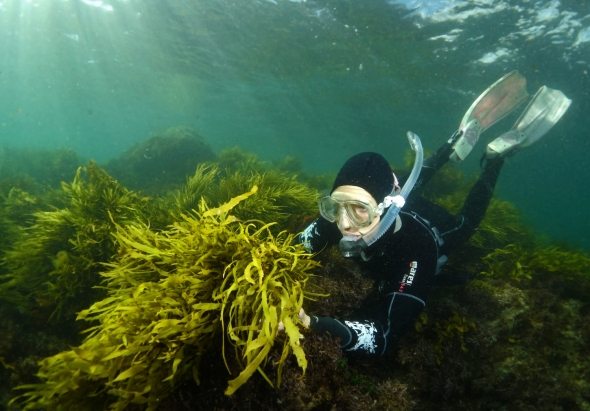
x: 304, y: 318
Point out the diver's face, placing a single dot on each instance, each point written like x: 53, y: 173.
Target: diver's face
x: 346, y: 224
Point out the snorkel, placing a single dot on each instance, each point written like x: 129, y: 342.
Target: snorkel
x: 351, y: 246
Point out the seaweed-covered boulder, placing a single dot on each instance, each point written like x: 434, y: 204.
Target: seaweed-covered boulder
x: 36, y: 169
x: 164, y: 160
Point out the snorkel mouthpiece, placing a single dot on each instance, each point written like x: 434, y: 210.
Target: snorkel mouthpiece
x: 354, y: 246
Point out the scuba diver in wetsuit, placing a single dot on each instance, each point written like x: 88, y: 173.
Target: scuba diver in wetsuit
x: 404, y: 249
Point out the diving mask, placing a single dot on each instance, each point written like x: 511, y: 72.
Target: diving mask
x: 359, y: 213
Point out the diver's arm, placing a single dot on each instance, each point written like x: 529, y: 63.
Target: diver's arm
x: 319, y: 234
x: 401, y: 302
x: 365, y: 337
x: 372, y: 337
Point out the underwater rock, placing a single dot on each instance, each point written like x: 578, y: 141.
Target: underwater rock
x: 35, y: 169
x: 163, y: 160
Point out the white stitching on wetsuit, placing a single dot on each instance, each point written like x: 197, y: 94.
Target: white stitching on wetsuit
x: 458, y: 227
x: 343, y: 343
x: 393, y: 295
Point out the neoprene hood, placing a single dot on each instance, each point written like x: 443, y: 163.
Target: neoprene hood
x: 367, y: 170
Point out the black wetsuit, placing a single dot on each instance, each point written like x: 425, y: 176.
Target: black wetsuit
x: 403, y: 263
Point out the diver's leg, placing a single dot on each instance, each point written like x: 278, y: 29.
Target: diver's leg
x: 475, y: 206
x: 544, y: 110
x: 433, y: 163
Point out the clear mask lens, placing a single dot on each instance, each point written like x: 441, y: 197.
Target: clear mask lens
x: 360, y: 214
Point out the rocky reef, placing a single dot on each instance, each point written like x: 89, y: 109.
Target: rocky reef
x: 114, y: 299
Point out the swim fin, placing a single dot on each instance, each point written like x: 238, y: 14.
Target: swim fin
x: 545, y: 109
x: 491, y: 106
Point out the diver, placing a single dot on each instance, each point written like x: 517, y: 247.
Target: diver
x: 404, y: 248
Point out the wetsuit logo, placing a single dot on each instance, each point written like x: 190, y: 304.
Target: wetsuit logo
x: 408, y: 278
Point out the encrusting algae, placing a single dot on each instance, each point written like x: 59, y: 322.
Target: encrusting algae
x: 173, y: 297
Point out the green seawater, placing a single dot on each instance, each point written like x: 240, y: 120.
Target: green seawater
x: 317, y: 80
x: 142, y: 90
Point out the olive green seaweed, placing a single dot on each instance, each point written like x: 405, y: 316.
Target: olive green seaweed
x: 282, y: 199
x: 16, y: 209
x: 181, y: 300
x: 54, y: 261
x: 173, y: 297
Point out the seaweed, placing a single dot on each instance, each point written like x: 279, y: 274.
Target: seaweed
x: 182, y: 314
x: 171, y: 296
x: 16, y: 209
x: 53, y: 264
x: 283, y: 199
x: 517, y: 333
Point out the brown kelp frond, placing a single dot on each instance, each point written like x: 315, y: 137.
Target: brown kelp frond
x: 29, y: 262
x: 19, y: 206
x: 282, y: 198
x: 171, y: 296
x: 257, y: 294
x: 242, y: 162
x: 54, y: 263
x: 95, y: 195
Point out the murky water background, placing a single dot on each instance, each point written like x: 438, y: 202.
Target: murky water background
x: 318, y: 80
